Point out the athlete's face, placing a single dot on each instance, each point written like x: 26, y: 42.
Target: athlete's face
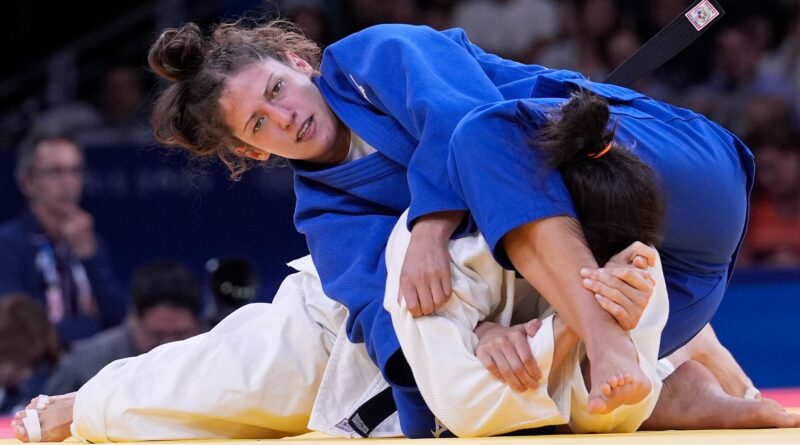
x: 275, y: 108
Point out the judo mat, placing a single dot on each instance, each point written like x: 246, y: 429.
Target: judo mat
x: 716, y: 437
x: 787, y: 397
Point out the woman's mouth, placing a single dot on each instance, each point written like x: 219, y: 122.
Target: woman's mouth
x: 306, y: 131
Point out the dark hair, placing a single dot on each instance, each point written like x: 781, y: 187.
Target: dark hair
x: 26, y: 334
x: 187, y: 113
x: 27, y: 149
x: 165, y: 282
x: 616, y: 195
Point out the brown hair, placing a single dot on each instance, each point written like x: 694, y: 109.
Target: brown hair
x: 187, y: 113
x: 26, y: 334
x: 617, y: 196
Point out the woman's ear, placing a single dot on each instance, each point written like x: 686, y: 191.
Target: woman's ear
x: 299, y: 63
x: 249, y: 152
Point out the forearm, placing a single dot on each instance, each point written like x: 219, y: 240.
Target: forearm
x: 549, y: 253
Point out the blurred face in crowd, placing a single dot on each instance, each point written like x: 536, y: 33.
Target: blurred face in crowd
x: 778, y: 171
x: 275, y: 108
x: 737, y: 54
x: 163, y: 324
x: 54, y: 181
x: 12, y: 372
x: 597, y: 17
x: 122, y: 93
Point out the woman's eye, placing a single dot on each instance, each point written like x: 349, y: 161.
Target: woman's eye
x: 277, y: 88
x: 257, y: 126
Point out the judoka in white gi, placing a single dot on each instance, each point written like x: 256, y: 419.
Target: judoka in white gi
x: 465, y: 397
x: 284, y: 368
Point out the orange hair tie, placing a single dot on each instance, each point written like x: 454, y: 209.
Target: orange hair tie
x: 605, y: 150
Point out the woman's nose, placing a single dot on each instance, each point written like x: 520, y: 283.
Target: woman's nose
x: 282, y: 117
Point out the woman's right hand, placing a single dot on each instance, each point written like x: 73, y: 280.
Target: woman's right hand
x: 425, y: 280
x: 623, y: 286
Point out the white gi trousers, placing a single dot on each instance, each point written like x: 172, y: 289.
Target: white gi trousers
x: 257, y: 374
x: 462, y: 394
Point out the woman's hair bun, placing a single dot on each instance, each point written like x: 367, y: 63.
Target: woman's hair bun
x: 579, y: 131
x: 178, y: 53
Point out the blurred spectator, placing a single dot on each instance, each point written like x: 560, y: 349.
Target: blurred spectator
x: 124, y: 116
x: 773, y: 237
x: 167, y: 303
x: 120, y: 118
x: 27, y: 340
x: 437, y: 13
x: 767, y: 111
x: 364, y: 13
x: 402, y: 11
x: 233, y: 283
x: 784, y: 61
x: 514, y: 29
x: 50, y: 250
x: 312, y: 17
x: 737, y: 79
x: 589, y: 25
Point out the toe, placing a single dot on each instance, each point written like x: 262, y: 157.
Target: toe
x: 596, y: 405
x: 627, y: 378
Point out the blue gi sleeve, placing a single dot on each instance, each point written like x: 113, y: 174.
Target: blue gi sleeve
x: 427, y: 81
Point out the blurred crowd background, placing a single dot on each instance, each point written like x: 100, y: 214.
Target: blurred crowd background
x: 180, y: 246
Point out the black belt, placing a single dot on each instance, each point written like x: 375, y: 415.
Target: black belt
x: 668, y: 42
x: 372, y: 413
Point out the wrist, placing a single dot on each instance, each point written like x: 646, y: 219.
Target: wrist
x: 483, y: 328
x: 438, y: 226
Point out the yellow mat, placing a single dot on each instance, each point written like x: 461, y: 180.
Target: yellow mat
x: 715, y: 437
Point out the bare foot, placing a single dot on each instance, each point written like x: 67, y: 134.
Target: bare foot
x: 54, y: 419
x: 693, y: 399
x: 615, y: 375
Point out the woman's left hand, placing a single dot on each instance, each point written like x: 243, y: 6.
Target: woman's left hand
x: 623, y: 287
x: 425, y: 280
